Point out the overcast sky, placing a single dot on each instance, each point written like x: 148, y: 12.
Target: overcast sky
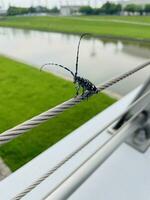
x: 50, y: 3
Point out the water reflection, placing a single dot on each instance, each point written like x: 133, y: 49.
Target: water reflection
x: 100, y: 59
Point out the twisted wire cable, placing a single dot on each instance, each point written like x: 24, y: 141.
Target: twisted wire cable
x: 39, y: 119
x: 68, y: 157
x: 35, y: 121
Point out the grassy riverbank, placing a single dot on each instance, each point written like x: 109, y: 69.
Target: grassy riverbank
x: 135, y: 27
x: 26, y: 92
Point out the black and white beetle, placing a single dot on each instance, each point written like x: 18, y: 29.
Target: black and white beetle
x: 80, y: 82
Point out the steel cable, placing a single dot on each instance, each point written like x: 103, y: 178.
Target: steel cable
x: 39, y: 119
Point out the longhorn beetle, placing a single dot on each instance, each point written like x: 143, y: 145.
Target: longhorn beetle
x: 80, y: 82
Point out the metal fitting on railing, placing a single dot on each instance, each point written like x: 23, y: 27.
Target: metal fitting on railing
x: 140, y: 139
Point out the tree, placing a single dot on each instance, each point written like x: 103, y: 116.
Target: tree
x: 54, y: 10
x: 96, y: 11
x: 130, y: 8
x: 111, y: 8
x: 118, y: 8
x: 17, y: 10
x: 139, y: 9
x: 147, y: 8
x: 32, y: 10
x: 86, y: 10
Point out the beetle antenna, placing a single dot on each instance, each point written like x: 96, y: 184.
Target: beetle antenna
x: 58, y: 66
x: 78, y: 50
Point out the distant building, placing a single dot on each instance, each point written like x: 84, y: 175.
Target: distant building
x: 70, y: 10
x: 2, y: 11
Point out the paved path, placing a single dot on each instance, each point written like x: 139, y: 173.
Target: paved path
x: 4, y: 170
x: 113, y: 20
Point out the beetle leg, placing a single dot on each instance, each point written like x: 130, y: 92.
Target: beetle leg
x: 86, y: 95
x: 83, y: 91
x: 77, y: 89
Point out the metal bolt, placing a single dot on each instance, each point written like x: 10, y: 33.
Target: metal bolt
x: 140, y: 137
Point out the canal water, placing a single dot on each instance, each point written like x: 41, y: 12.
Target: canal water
x: 99, y: 60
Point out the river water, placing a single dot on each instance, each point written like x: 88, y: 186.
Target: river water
x: 99, y: 60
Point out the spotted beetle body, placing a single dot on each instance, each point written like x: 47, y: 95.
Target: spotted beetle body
x: 85, y: 84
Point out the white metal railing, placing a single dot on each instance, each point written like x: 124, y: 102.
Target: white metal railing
x: 33, y: 170
x: 68, y: 186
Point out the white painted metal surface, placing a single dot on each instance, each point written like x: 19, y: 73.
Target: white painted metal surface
x: 125, y: 175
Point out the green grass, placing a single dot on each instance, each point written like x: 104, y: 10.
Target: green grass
x: 81, y: 25
x: 26, y: 92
